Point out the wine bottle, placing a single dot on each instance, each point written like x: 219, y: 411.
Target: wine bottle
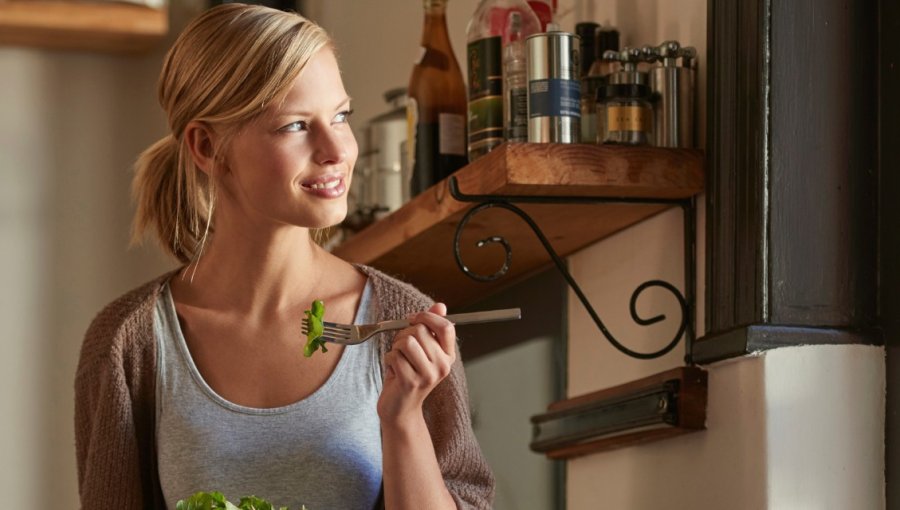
x: 436, y: 109
x: 487, y: 34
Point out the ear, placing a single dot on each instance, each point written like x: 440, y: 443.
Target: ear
x: 201, y: 141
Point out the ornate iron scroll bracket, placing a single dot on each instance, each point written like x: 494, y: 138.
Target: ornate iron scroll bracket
x: 507, y: 202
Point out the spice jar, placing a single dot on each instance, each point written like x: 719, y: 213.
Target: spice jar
x: 627, y: 114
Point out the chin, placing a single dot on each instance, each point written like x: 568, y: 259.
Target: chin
x: 326, y: 221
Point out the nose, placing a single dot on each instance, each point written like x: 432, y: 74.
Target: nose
x: 331, y: 148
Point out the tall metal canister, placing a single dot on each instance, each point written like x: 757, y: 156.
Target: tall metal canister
x: 554, y: 88
x: 673, y: 87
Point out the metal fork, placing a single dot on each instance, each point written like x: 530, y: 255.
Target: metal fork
x: 352, y: 334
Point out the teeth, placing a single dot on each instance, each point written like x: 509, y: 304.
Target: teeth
x: 326, y: 185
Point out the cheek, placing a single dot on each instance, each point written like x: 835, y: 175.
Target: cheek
x: 259, y: 174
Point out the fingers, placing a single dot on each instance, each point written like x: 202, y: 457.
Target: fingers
x: 413, y: 366
x: 442, y: 329
x: 423, y: 354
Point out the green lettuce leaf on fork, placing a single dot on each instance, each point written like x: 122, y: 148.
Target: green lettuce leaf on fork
x: 216, y: 501
x: 314, y: 329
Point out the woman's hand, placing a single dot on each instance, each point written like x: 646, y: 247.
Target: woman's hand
x: 420, y: 357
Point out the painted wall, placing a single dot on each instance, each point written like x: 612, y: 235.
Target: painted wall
x: 71, y: 127
x: 506, y: 388
x: 797, y: 428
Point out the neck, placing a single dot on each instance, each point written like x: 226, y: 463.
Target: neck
x: 255, y: 271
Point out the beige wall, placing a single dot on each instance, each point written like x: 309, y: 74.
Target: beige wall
x: 71, y: 127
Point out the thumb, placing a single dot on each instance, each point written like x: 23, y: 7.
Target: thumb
x: 438, y: 308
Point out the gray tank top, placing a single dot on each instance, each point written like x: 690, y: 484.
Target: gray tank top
x: 323, y: 451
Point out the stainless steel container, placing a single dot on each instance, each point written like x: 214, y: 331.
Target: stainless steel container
x: 361, y: 197
x: 391, y: 190
x: 554, y: 88
x: 673, y: 86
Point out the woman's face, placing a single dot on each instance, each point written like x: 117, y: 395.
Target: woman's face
x: 293, y: 164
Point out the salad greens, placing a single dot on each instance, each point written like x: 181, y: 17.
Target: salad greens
x: 314, y: 329
x: 216, y: 501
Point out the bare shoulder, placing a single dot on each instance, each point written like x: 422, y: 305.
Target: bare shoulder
x: 341, y: 288
x: 343, y: 275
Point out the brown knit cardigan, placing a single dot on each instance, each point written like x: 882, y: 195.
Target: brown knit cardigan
x: 115, y: 409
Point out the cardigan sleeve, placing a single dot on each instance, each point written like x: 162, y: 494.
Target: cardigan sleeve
x: 466, y: 472
x: 115, y: 406
x: 105, y: 437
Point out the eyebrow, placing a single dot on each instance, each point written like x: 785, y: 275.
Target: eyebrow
x: 301, y: 113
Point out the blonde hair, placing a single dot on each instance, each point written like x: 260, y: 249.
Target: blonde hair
x: 227, y: 66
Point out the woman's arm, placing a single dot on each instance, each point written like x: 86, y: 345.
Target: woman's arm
x: 420, y: 358
x: 114, y: 407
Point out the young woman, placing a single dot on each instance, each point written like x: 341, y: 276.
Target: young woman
x: 197, y: 380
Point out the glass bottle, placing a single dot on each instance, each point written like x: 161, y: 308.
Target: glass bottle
x: 487, y: 34
x: 436, y: 109
x: 515, y: 82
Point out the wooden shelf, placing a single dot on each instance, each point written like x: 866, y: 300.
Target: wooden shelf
x: 94, y: 26
x: 416, y: 241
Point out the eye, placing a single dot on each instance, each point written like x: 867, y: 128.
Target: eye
x: 343, y: 117
x: 294, y: 127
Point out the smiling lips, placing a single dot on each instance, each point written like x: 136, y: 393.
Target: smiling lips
x: 326, y: 186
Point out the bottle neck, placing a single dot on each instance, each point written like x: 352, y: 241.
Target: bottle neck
x: 434, y: 30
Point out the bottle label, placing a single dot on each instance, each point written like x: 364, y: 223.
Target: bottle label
x: 452, y: 135
x: 485, y: 91
x: 554, y: 97
x: 628, y: 118
x: 518, y: 120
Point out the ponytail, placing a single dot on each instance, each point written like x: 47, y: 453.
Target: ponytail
x: 171, y: 200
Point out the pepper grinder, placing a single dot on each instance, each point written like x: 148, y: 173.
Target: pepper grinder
x: 628, y: 73
x: 673, y: 89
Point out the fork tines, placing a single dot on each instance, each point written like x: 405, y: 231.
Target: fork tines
x: 331, y: 331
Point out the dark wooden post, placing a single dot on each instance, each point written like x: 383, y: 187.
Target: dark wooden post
x: 889, y: 231
x: 792, y: 216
